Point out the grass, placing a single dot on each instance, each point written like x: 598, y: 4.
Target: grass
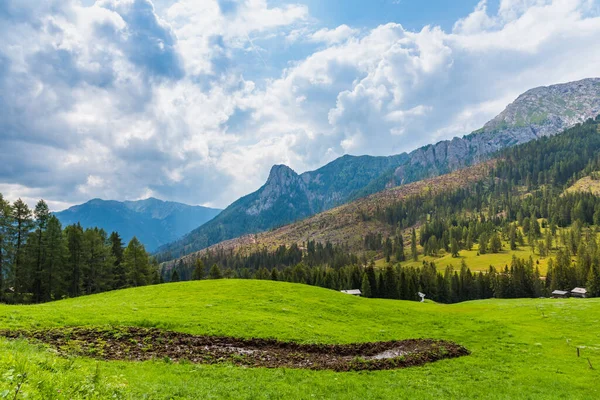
x: 585, y: 184
x: 481, y: 262
x: 520, y: 348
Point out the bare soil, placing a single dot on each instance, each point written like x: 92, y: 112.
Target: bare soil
x: 140, y: 344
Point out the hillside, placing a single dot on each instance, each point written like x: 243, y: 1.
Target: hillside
x: 517, y: 346
x: 154, y: 222
x: 287, y: 197
x: 347, y: 224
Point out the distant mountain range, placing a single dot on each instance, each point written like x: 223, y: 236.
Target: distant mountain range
x: 287, y: 197
x: 154, y: 222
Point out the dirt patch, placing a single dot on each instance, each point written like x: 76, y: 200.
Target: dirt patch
x: 139, y: 344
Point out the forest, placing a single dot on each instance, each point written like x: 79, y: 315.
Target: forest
x: 40, y: 261
x: 521, y: 203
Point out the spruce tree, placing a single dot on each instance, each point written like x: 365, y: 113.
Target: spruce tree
x: 413, y: 245
x: 198, y: 270
x: 54, y: 263
x: 74, y: 270
x: 174, y: 276
x: 22, y: 224
x: 5, y: 241
x: 454, y: 248
x: 400, y: 248
x: 593, y: 281
x: 137, y: 264
x: 42, y: 214
x: 117, y: 250
x: 215, y: 272
x: 365, y: 288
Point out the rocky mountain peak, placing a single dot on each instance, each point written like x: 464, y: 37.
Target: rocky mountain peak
x: 281, y: 175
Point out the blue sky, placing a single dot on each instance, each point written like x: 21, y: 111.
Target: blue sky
x: 412, y: 14
x: 194, y: 101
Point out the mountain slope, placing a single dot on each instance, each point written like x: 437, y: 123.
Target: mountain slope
x: 287, y: 196
x: 347, y: 224
x: 539, y: 112
x: 154, y: 222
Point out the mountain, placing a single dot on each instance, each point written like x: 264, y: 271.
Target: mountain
x: 154, y: 222
x: 552, y: 178
x: 288, y: 196
x: 539, y: 112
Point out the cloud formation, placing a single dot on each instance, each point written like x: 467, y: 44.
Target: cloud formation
x: 195, y: 103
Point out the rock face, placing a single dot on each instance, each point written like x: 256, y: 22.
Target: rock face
x: 287, y: 196
x: 538, y: 112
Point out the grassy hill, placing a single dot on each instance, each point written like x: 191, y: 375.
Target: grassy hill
x: 587, y: 184
x: 520, y: 348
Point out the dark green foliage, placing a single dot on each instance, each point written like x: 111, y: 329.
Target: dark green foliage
x: 175, y: 276
x: 198, y: 270
x: 365, y: 287
x: 39, y: 261
x: 215, y: 272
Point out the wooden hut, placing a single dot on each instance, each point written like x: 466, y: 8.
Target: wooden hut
x: 560, y: 294
x: 579, y: 292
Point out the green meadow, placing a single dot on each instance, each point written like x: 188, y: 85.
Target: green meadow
x: 521, y: 349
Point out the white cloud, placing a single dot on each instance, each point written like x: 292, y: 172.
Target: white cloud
x: 85, y: 113
x: 334, y: 36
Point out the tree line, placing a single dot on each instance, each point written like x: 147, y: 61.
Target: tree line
x: 42, y: 261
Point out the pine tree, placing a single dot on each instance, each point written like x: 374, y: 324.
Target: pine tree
x: 117, y: 250
x: 137, y: 263
x: 483, y: 242
x: 98, y: 267
x: 198, y: 270
x: 454, y: 247
x: 495, y: 243
x: 215, y: 272
x: 5, y: 241
x: 23, y: 223
x: 174, y: 276
x: 54, y: 263
x: 400, y: 248
x: 413, y: 245
x: 42, y: 214
x: 74, y: 270
x: 512, y: 237
x: 366, y: 286
x: 593, y: 281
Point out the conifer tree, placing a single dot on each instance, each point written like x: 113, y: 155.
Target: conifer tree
x: 365, y: 288
x: 117, y: 250
x: 5, y: 241
x: 593, y: 281
x: 42, y: 214
x: 413, y: 245
x: 174, y: 276
x: 198, y: 270
x: 400, y: 248
x: 215, y: 272
x: 137, y: 263
x: 22, y: 225
x: 74, y: 270
x: 54, y: 273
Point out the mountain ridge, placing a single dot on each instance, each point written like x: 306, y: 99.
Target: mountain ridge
x: 153, y: 221
x: 538, y: 112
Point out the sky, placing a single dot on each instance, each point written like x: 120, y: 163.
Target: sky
x: 195, y: 100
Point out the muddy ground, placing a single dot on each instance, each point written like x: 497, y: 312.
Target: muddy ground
x: 140, y: 344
